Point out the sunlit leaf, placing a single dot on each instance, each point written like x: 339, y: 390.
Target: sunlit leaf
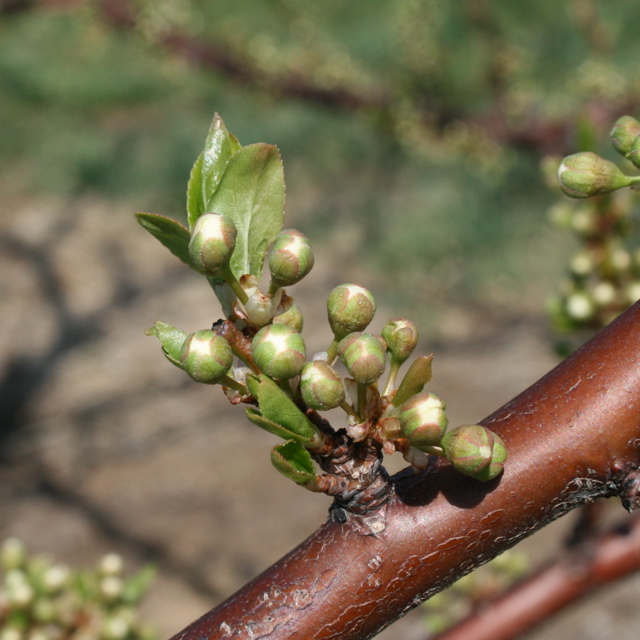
x: 251, y: 193
x: 293, y: 461
x: 171, y: 233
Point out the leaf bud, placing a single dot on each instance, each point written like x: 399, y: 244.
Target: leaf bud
x: 321, y: 386
x: 475, y: 451
x: 625, y: 130
x: 206, y: 356
x: 350, y: 308
x: 423, y: 420
x: 213, y: 240
x: 364, y: 355
x: 279, y: 351
x: 401, y: 337
x: 586, y: 174
x: 290, y: 258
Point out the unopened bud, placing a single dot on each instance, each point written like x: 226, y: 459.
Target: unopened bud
x: 206, y: 356
x: 579, y: 306
x: 291, y: 316
x: 321, y: 386
x: 401, y: 337
x: 213, y: 240
x: 604, y: 293
x: 111, y: 564
x: 586, y: 174
x: 364, y: 355
x: 634, y: 153
x: 13, y: 554
x: 279, y: 351
x: 423, y: 420
x: 290, y: 258
x: 582, y: 263
x: 350, y: 308
x: 625, y: 130
x: 475, y: 451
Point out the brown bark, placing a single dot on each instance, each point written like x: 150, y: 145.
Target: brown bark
x: 558, y: 584
x: 572, y: 436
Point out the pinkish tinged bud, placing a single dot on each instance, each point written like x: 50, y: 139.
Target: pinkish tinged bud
x: 290, y: 258
x: 423, y: 420
x: 364, y: 356
x: 321, y: 386
x: 350, y: 308
x: 279, y: 351
x: 475, y: 451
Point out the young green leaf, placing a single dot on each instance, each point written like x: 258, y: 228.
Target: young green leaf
x: 251, y: 193
x: 293, y: 461
x: 277, y: 406
x: 273, y: 427
x: 171, y: 340
x: 208, y: 169
x: 171, y: 233
x: 219, y: 146
x: 418, y: 374
x: 195, y: 198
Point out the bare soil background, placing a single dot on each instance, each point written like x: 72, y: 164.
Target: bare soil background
x: 104, y: 446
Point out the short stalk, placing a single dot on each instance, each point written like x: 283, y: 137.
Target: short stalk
x: 362, y: 399
x: 391, y: 381
x: 228, y: 381
x: 285, y: 385
x: 332, y: 352
x: 433, y: 451
x: 232, y: 281
x: 273, y: 289
x: 348, y: 409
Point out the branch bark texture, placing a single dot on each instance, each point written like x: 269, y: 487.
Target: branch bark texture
x: 573, y: 436
x: 611, y: 556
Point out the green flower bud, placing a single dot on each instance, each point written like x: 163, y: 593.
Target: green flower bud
x: 634, y: 153
x: 423, y: 420
x: 13, y: 554
x: 212, y: 242
x: 290, y: 258
x: 401, y: 337
x: 579, y: 306
x: 364, y: 356
x: 582, y: 263
x: 604, y: 293
x: 350, y: 308
x: 279, y: 351
x: 625, y: 130
x: 291, y: 316
x: 206, y: 356
x: 632, y: 292
x: 111, y: 564
x: 475, y: 451
x: 321, y: 386
x: 586, y: 174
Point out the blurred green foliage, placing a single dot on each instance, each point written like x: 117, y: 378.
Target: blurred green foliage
x: 446, y: 212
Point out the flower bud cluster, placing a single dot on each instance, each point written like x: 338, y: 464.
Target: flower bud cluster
x: 50, y: 601
x: 604, y: 275
x: 262, y: 333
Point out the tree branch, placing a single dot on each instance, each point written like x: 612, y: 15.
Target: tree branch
x: 573, y: 436
x: 599, y: 562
